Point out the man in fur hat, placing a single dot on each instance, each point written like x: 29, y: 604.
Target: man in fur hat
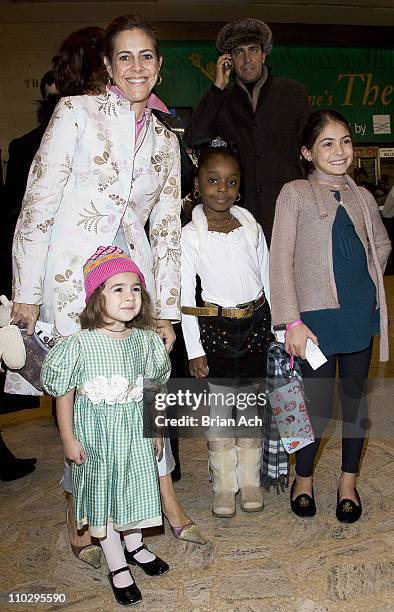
x: 261, y: 114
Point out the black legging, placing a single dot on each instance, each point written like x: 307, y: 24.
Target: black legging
x: 319, y: 389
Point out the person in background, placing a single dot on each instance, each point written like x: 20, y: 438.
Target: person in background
x: 360, y: 176
x: 388, y: 220
x: 21, y: 152
x: 73, y: 68
x: 262, y: 114
x: 388, y: 207
x: 11, y: 467
x: 328, y: 254
x: 380, y: 193
x: 378, y: 190
x: 79, y: 61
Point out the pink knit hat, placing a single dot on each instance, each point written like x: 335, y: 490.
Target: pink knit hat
x: 107, y: 261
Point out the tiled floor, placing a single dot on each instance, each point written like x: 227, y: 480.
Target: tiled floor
x: 269, y: 561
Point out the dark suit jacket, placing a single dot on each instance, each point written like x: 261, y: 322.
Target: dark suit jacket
x: 268, y: 141
x: 21, y: 153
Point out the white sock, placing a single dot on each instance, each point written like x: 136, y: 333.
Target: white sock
x: 114, y: 556
x: 133, y: 540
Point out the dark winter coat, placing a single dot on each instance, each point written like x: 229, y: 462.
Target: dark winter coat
x: 21, y: 152
x: 268, y: 140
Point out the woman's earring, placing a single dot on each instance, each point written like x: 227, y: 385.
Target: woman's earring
x: 159, y: 80
x: 237, y: 199
x: 196, y: 194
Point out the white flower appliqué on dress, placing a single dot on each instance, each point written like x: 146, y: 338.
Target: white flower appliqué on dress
x: 114, y: 390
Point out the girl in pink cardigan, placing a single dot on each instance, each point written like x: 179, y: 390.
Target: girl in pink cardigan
x: 328, y: 253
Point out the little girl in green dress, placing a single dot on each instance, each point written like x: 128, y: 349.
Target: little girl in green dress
x: 97, y: 377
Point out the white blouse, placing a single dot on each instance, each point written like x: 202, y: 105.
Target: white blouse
x: 233, y: 269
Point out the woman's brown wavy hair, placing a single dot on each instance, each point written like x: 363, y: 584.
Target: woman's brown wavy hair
x: 79, y: 61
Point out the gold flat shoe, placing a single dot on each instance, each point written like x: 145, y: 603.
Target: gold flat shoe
x: 90, y: 554
x: 189, y: 532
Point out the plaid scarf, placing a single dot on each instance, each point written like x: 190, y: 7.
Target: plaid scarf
x: 275, y: 461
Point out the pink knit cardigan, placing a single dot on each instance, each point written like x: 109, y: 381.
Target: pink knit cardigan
x: 301, y: 265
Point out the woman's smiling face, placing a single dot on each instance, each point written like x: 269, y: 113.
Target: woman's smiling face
x: 134, y: 66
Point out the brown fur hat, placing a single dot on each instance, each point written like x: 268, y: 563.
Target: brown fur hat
x: 244, y: 32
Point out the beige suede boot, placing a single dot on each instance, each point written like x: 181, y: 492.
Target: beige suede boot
x: 223, y: 465
x: 248, y: 474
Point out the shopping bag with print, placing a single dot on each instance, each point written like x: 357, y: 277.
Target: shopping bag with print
x: 288, y: 402
x: 37, y: 347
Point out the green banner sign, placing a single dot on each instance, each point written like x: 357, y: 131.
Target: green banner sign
x: 357, y: 82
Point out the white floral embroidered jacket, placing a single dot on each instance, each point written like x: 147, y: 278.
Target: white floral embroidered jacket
x: 88, y: 178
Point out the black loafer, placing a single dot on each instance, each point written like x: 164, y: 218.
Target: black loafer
x: 347, y: 510
x: 26, y: 461
x: 18, y: 469
x: 303, y: 505
x: 157, y: 567
x: 125, y: 596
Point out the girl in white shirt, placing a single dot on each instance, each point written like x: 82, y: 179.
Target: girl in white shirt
x: 228, y: 337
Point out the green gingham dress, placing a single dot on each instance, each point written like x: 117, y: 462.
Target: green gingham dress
x: 118, y: 481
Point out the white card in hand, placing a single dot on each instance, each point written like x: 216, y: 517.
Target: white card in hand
x: 313, y: 355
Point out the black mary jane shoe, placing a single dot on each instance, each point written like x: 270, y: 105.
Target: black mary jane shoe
x: 303, y: 505
x: 125, y: 596
x: 157, y: 567
x: 347, y: 510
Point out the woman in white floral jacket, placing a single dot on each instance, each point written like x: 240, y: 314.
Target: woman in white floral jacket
x: 106, y: 166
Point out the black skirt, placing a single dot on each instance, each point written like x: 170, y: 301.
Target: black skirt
x: 237, y: 348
